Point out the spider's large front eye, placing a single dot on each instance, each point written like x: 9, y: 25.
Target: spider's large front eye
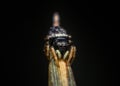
x: 58, y: 43
x: 61, y: 43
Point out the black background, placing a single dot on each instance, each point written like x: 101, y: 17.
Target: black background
x: 89, y: 24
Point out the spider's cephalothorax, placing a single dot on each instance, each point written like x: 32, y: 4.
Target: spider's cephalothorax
x: 59, y: 39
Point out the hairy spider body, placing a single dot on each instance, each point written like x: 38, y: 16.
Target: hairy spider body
x: 61, y: 52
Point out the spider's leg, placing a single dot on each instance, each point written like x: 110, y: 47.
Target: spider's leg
x: 66, y: 55
x: 74, y: 53
x: 54, y: 55
x: 70, y: 55
x: 58, y: 54
x: 47, y: 49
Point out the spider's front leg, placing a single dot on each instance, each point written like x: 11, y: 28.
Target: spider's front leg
x: 54, y: 55
x: 47, y: 50
x: 74, y: 54
x: 71, y: 55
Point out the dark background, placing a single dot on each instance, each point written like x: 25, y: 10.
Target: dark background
x: 89, y: 24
